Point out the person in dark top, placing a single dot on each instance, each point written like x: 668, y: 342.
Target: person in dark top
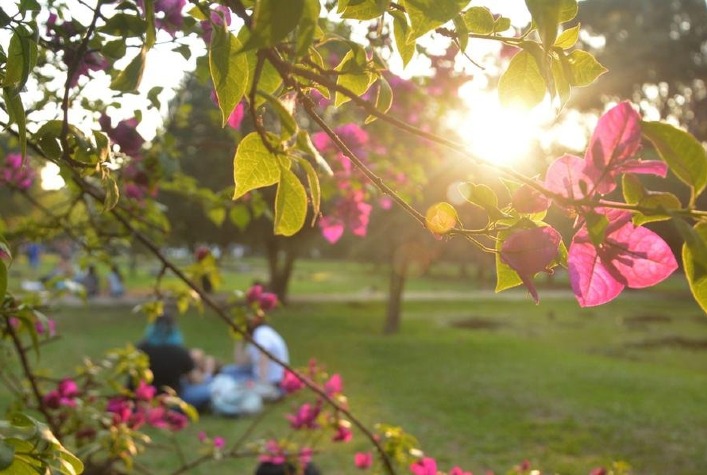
x: 188, y: 372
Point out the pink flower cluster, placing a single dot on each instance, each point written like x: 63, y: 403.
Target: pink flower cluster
x: 15, y: 174
x: 146, y: 408
x: 60, y: 34
x: 278, y: 453
x: 64, y: 395
x: 608, y: 253
x: 169, y: 14
x: 217, y: 442
x: 428, y: 466
x: 258, y: 298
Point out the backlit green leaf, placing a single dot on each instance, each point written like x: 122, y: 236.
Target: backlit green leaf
x: 584, y: 68
x: 16, y: 113
x: 307, y: 27
x: 150, y: 34
x: 254, y: 166
x: 217, y: 215
x: 273, y: 20
x: 479, y: 20
x: 426, y: 15
x: 129, y: 79
x: 240, y: 216
x: 568, y: 38
x: 365, y: 9
x: 522, y: 83
x: 597, y: 225
x: 694, y: 259
x: 21, y: 58
x: 683, y: 153
x: 315, y: 193
x: 112, y: 193
x: 384, y: 98
x: 563, y: 88
x: 7, y: 452
x: 229, y: 70
x: 404, y: 41
x: 635, y: 194
x: 290, y: 204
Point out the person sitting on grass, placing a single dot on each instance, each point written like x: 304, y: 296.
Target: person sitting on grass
x: 173, y: 365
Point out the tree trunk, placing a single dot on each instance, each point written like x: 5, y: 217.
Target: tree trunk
x: 395, y: 298
x: 281, y: 260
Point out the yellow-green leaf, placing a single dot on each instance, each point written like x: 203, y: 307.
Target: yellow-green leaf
x: 568, y: 38
x: 290, y: 204
x: 522, y: 83
x: 229, y: 70
x: 254, y: 166
x: 694, y: 255
x: 683, y: 153
x: 479, y: 20
x: 129, y: 79
x: 584, y: 67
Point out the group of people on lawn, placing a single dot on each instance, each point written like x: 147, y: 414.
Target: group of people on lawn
x: 201, y: 380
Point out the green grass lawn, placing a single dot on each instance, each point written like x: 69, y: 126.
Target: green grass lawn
x: 481, y: 383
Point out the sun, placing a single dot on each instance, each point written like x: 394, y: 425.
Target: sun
x: 494, y: 133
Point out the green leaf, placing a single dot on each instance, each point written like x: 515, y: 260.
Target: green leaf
x: 253, y: 166
x: 384, y: 98
x: 522, y: 83
x: 584, y: 68
x: 114, y: 49
x: 568, y: 38
x: 3, y: 289
x: 597, y: 225
x: 662, y: 202
x: 479, y: 20
x: 426, y: 15
x: 483, y: 197
x: 548, y: 15
x: 683, y: 153
x: 364, y: 9
x: 287, y: 122
x: 506, y: 277
x: 184, y: 50
x: 124, y: 25
x: 16, y: 113
x: 502, y: 24
x: 21, y: 58
x: 112, y: 193
x: 229, y: 70
x: 273, y: 20
x: 563, y: 89
x: 150, y: 34
x: 440, y: 218
x: 290, y: 204
x: 462, y: 32
x: 694, y: 259
x: 403, y: 37
x: 153, y: 96
x: 307, y: 27
x: 315, y: 192
x: 217, y: 215
x: 7, y: 452
x: 129, y: 79
x: 357, y: 83
x: 239, y: 216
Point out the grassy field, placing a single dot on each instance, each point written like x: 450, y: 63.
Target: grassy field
x: 483, y: 383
